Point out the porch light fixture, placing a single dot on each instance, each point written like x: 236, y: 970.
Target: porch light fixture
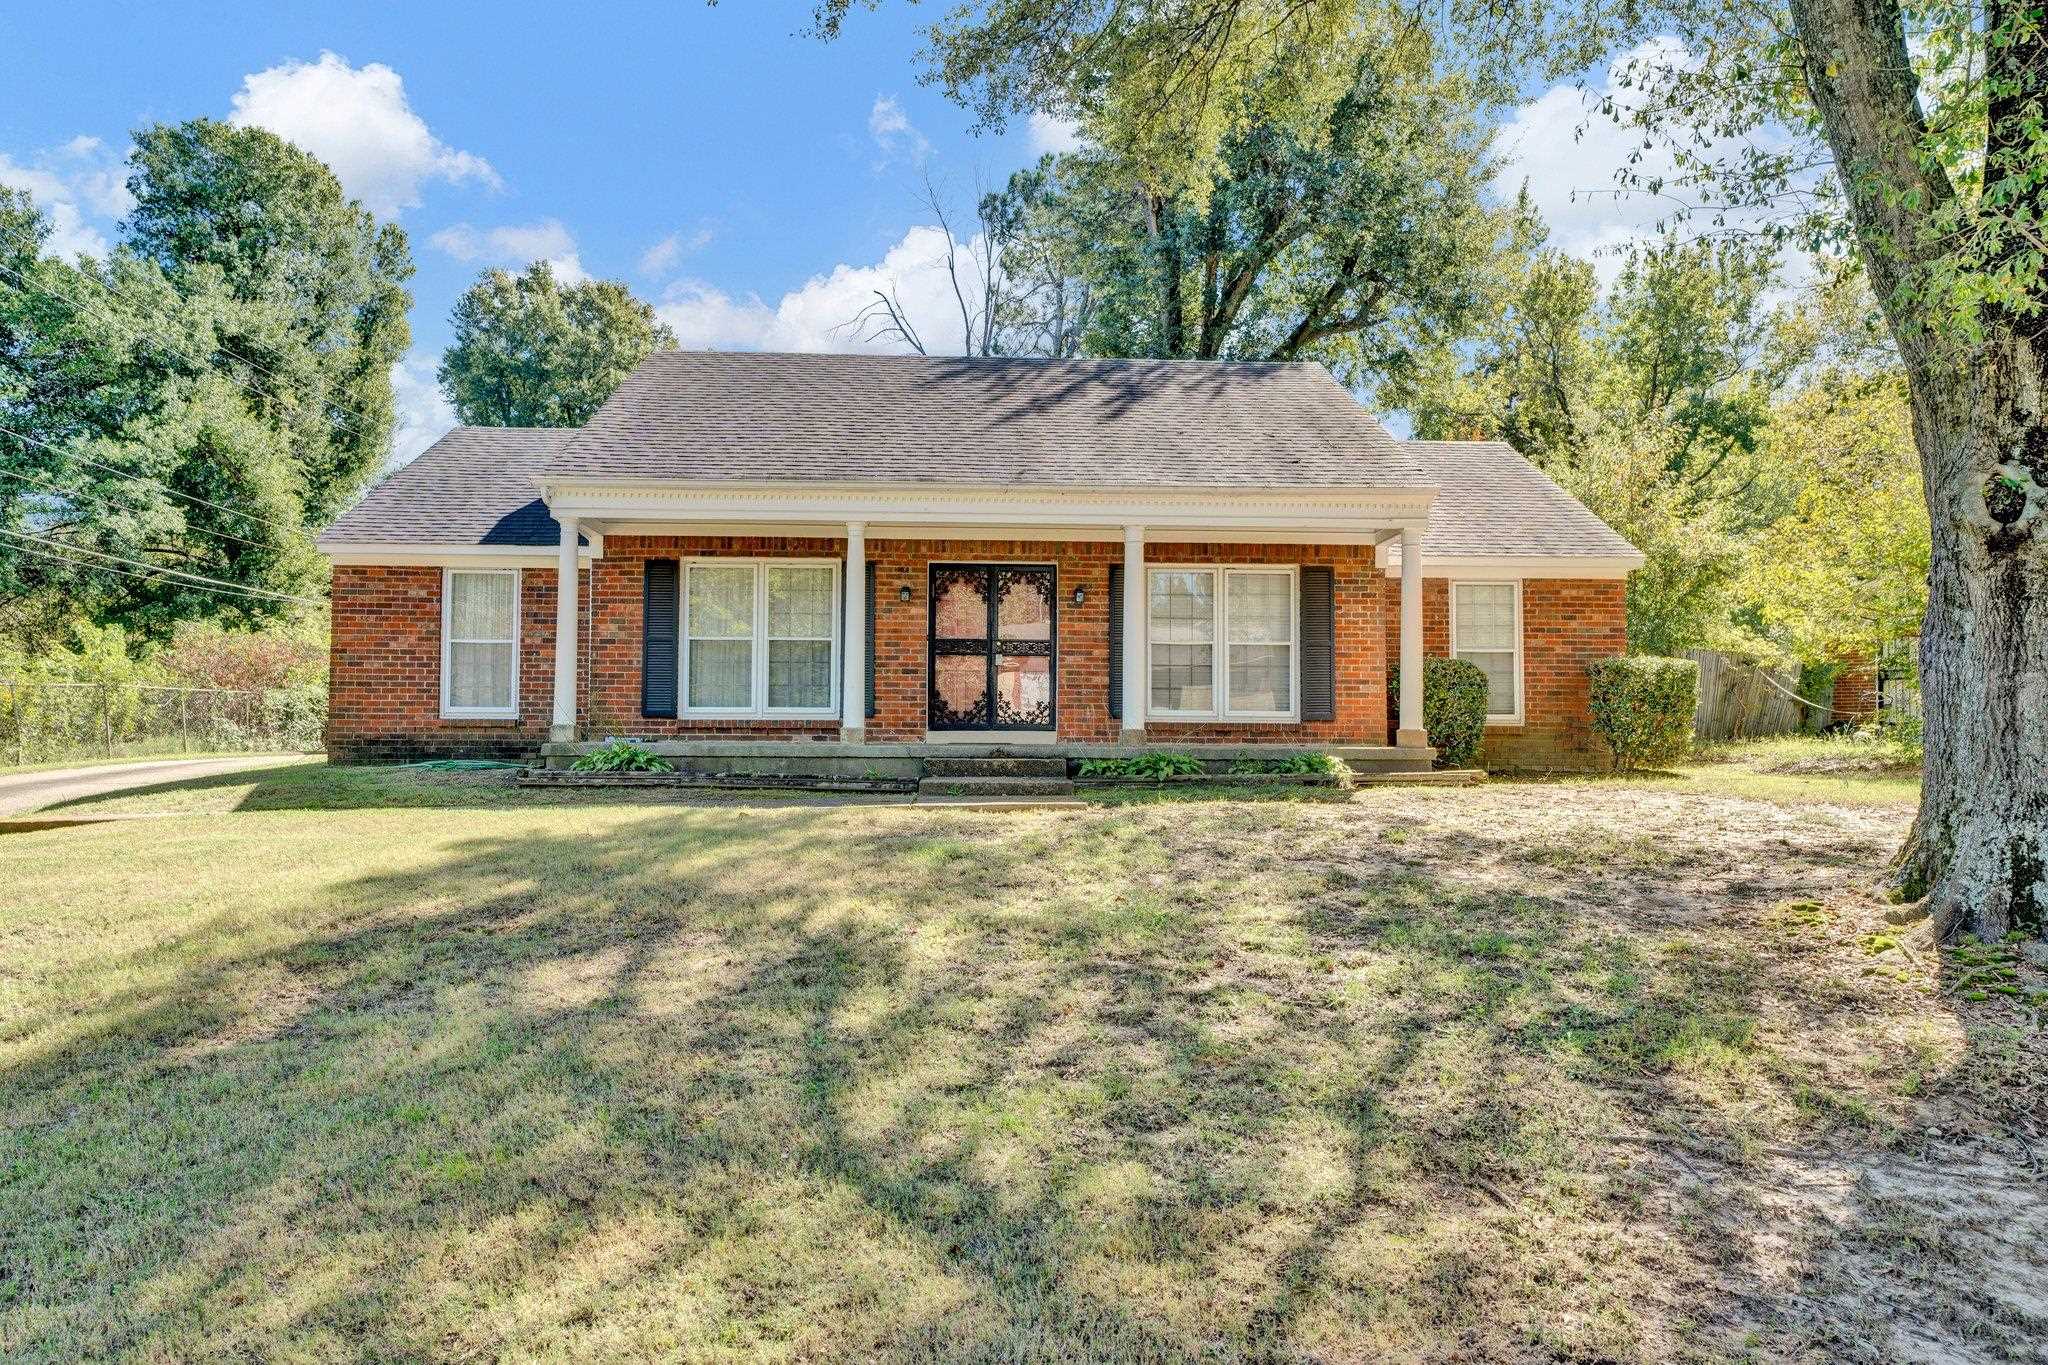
x: 1080, y: 596
x: 903, y: 593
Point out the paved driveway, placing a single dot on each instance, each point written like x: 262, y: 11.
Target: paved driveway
x: 21, y: 793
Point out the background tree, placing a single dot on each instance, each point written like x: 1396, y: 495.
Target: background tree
x: 1358, y: 238
x: 531, y: 352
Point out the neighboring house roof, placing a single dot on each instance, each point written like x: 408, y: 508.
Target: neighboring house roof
x: 1085, y: 424
x: 1491, y: 502
x: 474, y: 486
x: 907, y: 419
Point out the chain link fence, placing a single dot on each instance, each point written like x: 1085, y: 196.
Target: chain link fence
x: 56, y: 722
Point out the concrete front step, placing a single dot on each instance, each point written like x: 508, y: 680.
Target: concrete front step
x: 1052, y: 766
x: 979, y: 787
x: 1001, y: 802
x: 1442, y: 777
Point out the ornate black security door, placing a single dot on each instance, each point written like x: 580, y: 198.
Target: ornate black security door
x: 992, y: 647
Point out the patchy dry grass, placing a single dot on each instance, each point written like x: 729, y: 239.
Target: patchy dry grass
x: 1561, y: 1071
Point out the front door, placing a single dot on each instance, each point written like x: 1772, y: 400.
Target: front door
x: 992, y: 662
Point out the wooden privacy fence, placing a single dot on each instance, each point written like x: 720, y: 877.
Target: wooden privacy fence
x: 1741, y: 701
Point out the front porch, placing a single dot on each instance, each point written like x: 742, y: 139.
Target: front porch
x: 984, y: 618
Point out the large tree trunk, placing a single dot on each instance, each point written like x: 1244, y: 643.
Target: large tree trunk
x: 1979, y: 848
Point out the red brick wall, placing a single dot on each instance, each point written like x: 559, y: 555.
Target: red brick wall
x: 1567, y: 623
x: 384, y: 674
x: 1855, y: 695
x: 387, y: 624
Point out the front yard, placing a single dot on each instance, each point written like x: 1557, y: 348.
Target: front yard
x: 385, y: 1067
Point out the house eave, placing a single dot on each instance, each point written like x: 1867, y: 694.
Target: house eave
x: 926, y: 510
x: 422, y: 554
x: 1515, y: 566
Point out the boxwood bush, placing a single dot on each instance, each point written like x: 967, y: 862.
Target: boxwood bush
x: 1643, y: 707
x: 1453, y: 709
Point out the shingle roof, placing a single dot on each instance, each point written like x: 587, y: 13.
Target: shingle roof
x: 912, y: 419
x: 1490, y: 501
x: 474, y: 486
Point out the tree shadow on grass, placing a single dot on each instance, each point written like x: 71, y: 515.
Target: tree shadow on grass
x: 818, y: 1083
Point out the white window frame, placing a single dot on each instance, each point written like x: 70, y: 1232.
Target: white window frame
x: 1219, y: 654
x: 1514, y: 585
x: 759, y: 709
x: 450, y: 711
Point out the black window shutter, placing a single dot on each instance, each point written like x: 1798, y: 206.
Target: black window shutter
x: 871, y: 639
x: 660, y: 617
x: 1116, y: 641
x: 1318, y: 643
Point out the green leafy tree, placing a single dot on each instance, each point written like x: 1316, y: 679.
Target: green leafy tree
x: 307, y: 291
x: 1844, y: 572
x: 195, y: 404
x: 1360, y: 241
x: 531, y: 352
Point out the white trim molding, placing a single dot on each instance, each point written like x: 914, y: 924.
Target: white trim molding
x: 1498, y: 567
x: 1306, y: 515
x: 455, y: 556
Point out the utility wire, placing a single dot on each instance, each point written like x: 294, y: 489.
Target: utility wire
x: 75, y: 494
x: 221, y: 583
x: 78, y: 306
x: 147, y: 478
x: 125, y: 573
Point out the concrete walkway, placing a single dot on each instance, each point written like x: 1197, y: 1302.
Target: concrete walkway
x: 21, y: 793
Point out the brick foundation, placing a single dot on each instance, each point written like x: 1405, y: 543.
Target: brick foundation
x: 385, y: 680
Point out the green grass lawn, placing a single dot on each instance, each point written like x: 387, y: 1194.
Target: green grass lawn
x: 370, y: 1065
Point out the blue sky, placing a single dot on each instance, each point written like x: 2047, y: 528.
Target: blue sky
x: 751, y: 181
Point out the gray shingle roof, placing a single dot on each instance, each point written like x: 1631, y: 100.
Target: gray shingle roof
x: 912, y: 419
x: 1491, y: 501
x: 474, y: 486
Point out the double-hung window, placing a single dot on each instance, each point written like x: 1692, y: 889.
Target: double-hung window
x: 1222, y: 643
x: 480, y: 643
x: 761, y: 637
x: 1486, y: 629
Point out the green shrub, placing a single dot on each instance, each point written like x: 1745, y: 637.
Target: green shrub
x: 1160, y: 763
x: 1453, y: 709
x: 1643, y: 707
x: 622, y: 756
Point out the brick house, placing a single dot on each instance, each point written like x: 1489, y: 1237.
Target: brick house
x: 1067, y: 553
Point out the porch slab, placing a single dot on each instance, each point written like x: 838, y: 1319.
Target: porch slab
x: 1357, y: 756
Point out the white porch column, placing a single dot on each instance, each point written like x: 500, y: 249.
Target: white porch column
x: 853, y: 689
x: 1135, y: 598
x: 1411, y: 731
x: 563, y: 728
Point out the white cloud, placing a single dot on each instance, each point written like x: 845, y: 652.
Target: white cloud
x: 1051, y: 133
x: 358, y: 121
x: 515, y: 245
x: 424, y: 413
x: 661, y: 258
x: 894, y: 134
x: 78, y: 200
x: 819, y: 314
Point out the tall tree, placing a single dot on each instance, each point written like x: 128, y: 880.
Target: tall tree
x: 1920, y: 134
x: 1360, y: 239
x: 311, y: 288
x: 194, y: 405
x: 531, y: 352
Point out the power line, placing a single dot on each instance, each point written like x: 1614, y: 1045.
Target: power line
x: 250, y: 361
x: 61, y: 491
x: 147, y: 478
x: 221, y: 583
x: 125, y: 573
